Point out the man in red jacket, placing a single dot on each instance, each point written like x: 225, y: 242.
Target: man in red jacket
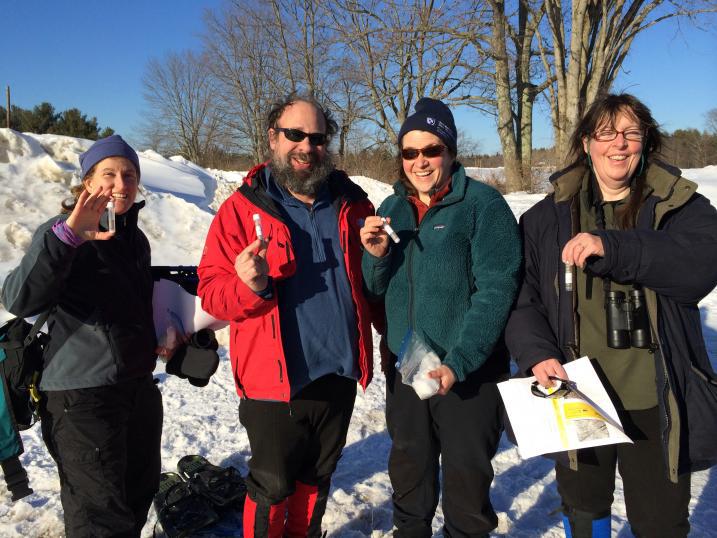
x: 282, y: 263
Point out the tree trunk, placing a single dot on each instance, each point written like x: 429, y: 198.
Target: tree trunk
x: 506, y: 129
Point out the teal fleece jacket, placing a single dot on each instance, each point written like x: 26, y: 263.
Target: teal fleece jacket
x: 454, y: 277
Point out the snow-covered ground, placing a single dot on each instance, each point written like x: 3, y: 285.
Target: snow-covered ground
x: 35, y: 173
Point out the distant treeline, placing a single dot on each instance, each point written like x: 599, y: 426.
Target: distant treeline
x: 685, y: 148
x: 44, y: 119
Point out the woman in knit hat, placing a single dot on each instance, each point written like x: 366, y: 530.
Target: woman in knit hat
x: 101, y: 412
x: 449, y: 281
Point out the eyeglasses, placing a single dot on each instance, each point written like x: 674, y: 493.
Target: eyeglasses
x: 428, y: 152
x: 562, y: 390
x: 296, y: 135
x: 608, y: 135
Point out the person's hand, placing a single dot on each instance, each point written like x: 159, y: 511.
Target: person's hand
x: 581, y: 247
x: 445, y: 377
x: 85, y: 217
x: 172, y: 341
x: 547, y: 368
x: 373, y: 237
x: 251, y: 265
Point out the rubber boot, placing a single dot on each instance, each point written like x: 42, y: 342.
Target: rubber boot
x: 306, y: 509
x: 264, y: 520
x: 586, y: 525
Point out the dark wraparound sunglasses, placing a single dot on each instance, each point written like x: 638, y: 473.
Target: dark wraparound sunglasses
x: 428, y: 152
x: 296, y: 135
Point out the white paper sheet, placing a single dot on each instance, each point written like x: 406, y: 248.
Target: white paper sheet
x: 177, y: 312
x: 545, y: 425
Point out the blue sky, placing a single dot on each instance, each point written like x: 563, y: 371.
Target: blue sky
x: 92, y: 55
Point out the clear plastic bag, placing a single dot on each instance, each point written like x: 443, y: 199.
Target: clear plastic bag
x: 415, y: 360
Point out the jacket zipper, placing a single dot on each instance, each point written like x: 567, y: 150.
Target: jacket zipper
x: 657, y: 342
x: 235, y: 371
x: 574, y: 230
x: 409, y: 256
x: 665, y: 391
x: 409, y: 267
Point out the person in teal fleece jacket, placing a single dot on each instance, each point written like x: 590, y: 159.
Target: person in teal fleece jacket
x: 451, y: 279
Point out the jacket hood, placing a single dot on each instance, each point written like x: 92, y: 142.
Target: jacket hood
x: 664, y: 180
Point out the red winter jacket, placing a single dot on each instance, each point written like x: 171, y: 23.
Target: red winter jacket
x: 256, y: 350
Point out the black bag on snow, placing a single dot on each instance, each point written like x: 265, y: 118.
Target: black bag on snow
x: 21, y: 347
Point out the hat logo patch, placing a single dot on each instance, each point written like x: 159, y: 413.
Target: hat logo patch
x: 430, y: 121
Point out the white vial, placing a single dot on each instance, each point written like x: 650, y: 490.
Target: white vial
x: 257, y: 226
x: 568, y: 276
x: 391, y: 233
x: 111, y: 227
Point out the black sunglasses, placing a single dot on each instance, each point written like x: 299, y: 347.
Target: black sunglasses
x: 561, y: 391
x: 428, y: 152
x: 296, y: 135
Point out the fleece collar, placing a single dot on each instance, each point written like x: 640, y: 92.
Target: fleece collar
x: 458, y: 185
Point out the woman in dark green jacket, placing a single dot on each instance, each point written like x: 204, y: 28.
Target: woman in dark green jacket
x: 451, y: 279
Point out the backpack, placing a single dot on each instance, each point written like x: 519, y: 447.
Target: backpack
x: 21, y: 349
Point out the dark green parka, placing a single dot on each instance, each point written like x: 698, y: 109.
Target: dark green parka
x: 454, y: 277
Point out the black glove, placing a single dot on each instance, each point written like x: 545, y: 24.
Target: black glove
x: 197, y: 360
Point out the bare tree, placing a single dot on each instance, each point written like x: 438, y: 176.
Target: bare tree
x: 468, y: 146
x: 317, y: 62
x: 511, y: 78
x: 403, y: 51
x: 711, y: 121
x: 305, y: 43
x: 243, y: 63
x: 587, y: 45
x: 259, y: 52
x: 371, y: 60
x: 581, y: 46
x: 181, y: 103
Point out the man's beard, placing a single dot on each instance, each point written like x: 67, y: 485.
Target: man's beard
x: 305, y: 183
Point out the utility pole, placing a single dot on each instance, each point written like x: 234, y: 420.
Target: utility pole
x: 7, y: 110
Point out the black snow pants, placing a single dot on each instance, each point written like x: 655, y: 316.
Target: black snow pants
x: 106, y: 442
x: 299, y: 442
x: 463, y: 428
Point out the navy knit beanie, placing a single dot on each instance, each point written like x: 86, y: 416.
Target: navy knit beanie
x: 111, y: 146
x: 435, y: 117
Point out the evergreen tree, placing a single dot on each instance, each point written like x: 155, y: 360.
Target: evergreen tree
x: 15, y: 114
x: 73, y: 122
x: 40, y: 120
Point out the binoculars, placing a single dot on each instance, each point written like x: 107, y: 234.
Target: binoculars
x: 627, y: 321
